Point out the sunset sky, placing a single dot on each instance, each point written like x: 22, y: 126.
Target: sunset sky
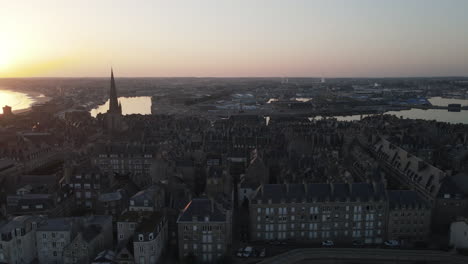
x: 330, y: 38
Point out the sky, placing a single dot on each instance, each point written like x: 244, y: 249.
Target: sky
x: 233, y: 38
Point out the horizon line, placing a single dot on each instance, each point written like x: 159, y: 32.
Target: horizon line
x: 238, y: 77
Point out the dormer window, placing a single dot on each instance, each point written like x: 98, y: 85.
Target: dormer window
x: 140, y: 237
x: 132, y: 202
x: 207, y: 218
x: 145, y: 202
x: 151, y: 236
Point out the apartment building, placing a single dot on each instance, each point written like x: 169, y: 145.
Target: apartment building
x: 128, y: 222
x: 126, y: 158
x: 94, y: 235
x: 204, y: 230
x: 70, y: 239
x: 409, y: 216
x: 150, y: 239
x: 18, y: 239
x: 150, y: 199
x: 88, y: 183
x: 317, y: 212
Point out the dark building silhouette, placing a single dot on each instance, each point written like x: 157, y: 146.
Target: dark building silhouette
x: 114, y: 114
x: 7, y: 111
x: 114, y: 105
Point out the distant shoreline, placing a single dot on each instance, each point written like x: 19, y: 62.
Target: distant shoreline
x: 35, y: 97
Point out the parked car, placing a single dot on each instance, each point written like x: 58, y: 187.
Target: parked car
x: 247, y: 252
x: 328, y: 243
x: 357, y: 243
x: 240, y: 252
x: 262, y: 253
x: 391, y: 243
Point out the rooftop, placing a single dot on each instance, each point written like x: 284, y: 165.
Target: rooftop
x: 199, y: 208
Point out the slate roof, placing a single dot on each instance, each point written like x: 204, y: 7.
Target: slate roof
x: 57, y: 224
x: 199, y: 208
x: 319, y: 192
x: 406, y: 198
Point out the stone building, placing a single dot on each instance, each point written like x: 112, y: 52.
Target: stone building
x: 128, y: 222
x: 318, y: 212
x: 18, y: 239
x: 151, y: 199
x: 131, y: 159
x: 59, y: 203
x: 451, y: 202
x: 93, y: 237
x: 409, y: 169
x: 88, y: 182
x: 150, y: 239
x: 204, y: 230
x: 409, y: 216
x: 52, y: 237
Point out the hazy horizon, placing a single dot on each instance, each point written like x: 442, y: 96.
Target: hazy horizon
x: 229, y: 39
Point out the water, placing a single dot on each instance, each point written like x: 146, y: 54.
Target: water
x: 433, y: 114
x: 17, y: 100
x: 142, y: 105
x: 439, y: 101
x: 430, y: 114
x: 130, y: 105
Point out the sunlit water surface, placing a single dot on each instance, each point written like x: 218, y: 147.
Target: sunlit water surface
x: 130, y: 105
x: 16, y: 100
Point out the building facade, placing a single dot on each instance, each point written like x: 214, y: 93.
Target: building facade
x: 204, y: 230
x: 409, y: 216
x: 18, y: 239
x: 318, y: 212
x: 150, y: 239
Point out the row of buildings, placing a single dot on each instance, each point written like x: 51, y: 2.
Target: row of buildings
x: 364, y: 212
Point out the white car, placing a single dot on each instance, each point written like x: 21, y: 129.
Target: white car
x: 328, y: 243
x: 247, y: 252
x: 392, y: 243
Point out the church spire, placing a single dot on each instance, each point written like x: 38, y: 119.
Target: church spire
x: 113, y: 102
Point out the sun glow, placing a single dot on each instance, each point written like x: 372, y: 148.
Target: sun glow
x: 5, y: 58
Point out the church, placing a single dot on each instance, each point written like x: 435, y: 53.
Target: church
x: 113, y: 119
